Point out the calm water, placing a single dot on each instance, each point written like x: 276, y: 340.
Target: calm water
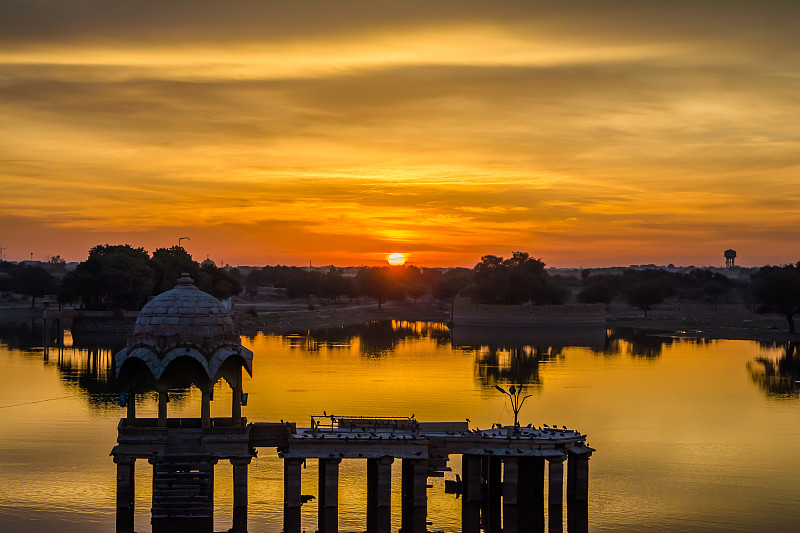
x: 689, y: 436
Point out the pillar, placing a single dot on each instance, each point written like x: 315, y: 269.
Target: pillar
x: 328, y: 520
x: 162, y: 408
x: 126, y: 469
x: 130, y: 402
x: 492, y: 473
x: 236, y: 398
x: 125, y: 494
x: 292, y: 479
x: 205, y: 406
x: 240, y: 494
x: 556, y: 473
x: 414, y: 491
x: 470, y: 493
x: 379, y: 494
x: 510, y: 481
x: 578, y: 477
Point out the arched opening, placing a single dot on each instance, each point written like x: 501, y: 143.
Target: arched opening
x: 182, y: 373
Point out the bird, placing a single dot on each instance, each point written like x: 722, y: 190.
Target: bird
x: 545, y: 425
x: 528, y: 425
x: 324, y: 413
x: 565, y: 427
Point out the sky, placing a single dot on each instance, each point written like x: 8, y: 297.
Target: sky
x: 585, y: 133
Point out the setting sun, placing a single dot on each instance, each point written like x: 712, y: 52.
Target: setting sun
x: 396, y: 259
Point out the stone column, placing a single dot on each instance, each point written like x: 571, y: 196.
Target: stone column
x: 414, y: 489
x: 126, y: 493
x: 328, y: 520
x: 492, y: 473
x: 556, y: 472
x: 236, y: 398
x: 379, y: 494
x: 126, y: 469
x: 240, y: 494
x: 205, y: 406
x: 130, y: 402
x: 162, y: 408
x: 470, y: 493
x: 578, y: 477
x: 292, y: 486
x: 510, y: 481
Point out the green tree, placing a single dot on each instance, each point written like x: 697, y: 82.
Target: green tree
x: 777, y: 289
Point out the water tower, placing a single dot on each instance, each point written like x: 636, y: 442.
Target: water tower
x: 730, y: 255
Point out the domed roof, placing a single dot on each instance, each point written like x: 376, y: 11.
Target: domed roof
x: 186, y: 311
x: 184, y: 322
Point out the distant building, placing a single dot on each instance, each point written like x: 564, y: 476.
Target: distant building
x: 730, y: 255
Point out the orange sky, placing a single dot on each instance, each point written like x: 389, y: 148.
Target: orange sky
x: 339, y: 132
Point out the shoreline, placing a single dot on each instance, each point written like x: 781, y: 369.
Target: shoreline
x: 689, y: 320
x: 684, y: 320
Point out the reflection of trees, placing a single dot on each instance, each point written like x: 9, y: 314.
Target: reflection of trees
x: 778, y: 377
x: 634, y: 342
x: 376, y: 338
x: 516, y: 365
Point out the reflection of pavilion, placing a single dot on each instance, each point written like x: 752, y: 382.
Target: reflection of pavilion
x: 185, y: 337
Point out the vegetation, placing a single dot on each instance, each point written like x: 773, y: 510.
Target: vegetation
x: 33, y: 281
x: 123, y: 277
x: 777, y: 289
x: 516, y: 280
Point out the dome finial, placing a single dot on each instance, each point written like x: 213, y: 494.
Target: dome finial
x: 185, y: 279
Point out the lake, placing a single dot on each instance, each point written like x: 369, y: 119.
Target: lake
x: 690, y: 435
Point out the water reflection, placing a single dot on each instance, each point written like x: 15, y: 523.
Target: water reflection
x: 372, y: 339
x: 777, y: 376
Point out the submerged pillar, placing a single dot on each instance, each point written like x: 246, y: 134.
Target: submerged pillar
x: 414, y: 489
x: 470, y: 493
x: 492, y: 473
x: 292, y: 479
x: 328, y: 519
x: 379, y: 494
x: 240, y: 467
x: 126, y: 493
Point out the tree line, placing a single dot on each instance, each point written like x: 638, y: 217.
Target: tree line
x: 124, y: 277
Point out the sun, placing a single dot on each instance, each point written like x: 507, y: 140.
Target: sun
x: 396, y: 259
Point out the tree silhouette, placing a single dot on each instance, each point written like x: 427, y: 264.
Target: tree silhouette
x: 777, y: 289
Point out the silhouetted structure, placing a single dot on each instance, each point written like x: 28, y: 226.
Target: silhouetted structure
x: 185, y: 337
x: 730, y: 255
